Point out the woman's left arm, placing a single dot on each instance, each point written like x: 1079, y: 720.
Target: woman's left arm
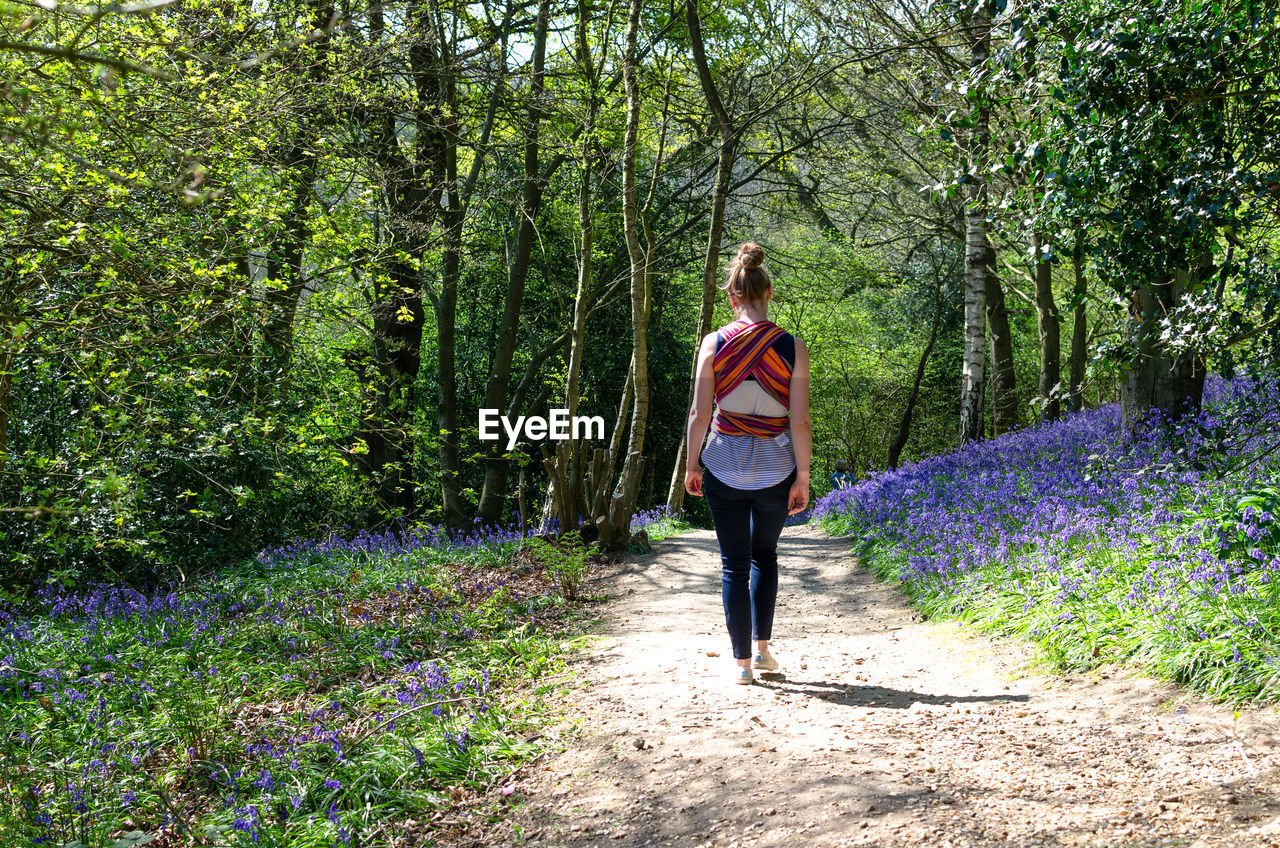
x: 801, y: 429
x: 704, y: 385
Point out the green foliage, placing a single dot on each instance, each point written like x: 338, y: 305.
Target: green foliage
x: 149, y: 431
x: 565, y: 561
x: 220, y: 241
x: 1238, y: 524
x: 1140, y: 124
x: 865, y: 321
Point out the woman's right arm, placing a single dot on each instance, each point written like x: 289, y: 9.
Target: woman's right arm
x: 801, y: 429
x: 704, y: 387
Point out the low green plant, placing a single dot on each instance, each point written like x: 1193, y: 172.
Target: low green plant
x: 566, y: 562
x: 1250, y: 521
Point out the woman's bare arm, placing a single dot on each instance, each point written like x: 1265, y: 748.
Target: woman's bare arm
x: 801, y: 428
x: 704, y: 387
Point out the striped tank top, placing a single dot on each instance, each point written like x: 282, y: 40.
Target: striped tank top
x: 749, y: 446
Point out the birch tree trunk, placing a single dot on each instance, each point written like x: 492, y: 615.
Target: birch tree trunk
x: 973, y: 369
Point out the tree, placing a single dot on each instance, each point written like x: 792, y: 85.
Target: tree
x: 146, y: 427
x: 624, y: 497
x: 1049, y: 325
x: 1079, y: 325
x: 496, y: 395
x: 909, y: 409
x: 724, y: 123
x: 1152, y: 136
x: 978, y: 274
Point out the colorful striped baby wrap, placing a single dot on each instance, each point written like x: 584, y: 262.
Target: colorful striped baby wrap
x: 747, y: 350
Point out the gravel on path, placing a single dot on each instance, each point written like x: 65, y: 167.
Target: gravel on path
x: 879, y: 729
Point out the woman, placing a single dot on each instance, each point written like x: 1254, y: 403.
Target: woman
x: 757, y: 459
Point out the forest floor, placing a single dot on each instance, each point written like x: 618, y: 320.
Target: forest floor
x: 879, y: 729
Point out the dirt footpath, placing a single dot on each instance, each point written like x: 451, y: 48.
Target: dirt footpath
x: 879, y: 729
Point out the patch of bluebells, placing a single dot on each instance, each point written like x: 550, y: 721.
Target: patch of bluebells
x: 138, y: 683
x: 367, y: 544
x: 1081, y: 536
x: 271, y: 774
x: 392, y: 542
x: 798, y: 519
x: 659, y: 520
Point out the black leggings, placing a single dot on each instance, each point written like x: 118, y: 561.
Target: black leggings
x: 748, y: 523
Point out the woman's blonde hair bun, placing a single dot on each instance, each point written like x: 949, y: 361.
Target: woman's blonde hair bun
x: 747, y: 281
x: 750, y: 255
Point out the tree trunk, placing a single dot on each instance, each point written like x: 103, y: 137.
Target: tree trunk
x: 569, y: 471
x: 973, y: 374
x: 458, y: 192
x: 904, y: 424
x: 446, y: 307
x: 1004, y: 395
x: 1079, y: 329
x: 6, y: 385
x: 386, y: 427
x: 1156, y: 381
x: 284, y: 267
x: 624, y: 497
x: 1049, y: 325
x: 8, y: 345
x: 496, y: 463
x: 1160, y: 381
x: 298, y: 166
x: 719, y: 196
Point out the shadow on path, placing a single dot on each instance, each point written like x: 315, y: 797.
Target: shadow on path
x: 847, y: 695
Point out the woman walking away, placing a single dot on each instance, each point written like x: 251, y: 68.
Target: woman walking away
x: 757, y: 459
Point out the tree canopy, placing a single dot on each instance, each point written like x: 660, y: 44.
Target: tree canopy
x: 264, y: 263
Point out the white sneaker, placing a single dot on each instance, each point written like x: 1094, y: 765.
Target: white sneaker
x: 765, y: 662
x: 742, y: 674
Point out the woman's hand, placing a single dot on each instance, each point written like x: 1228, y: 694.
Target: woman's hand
x: 798, y: 500
x: 693, y: 481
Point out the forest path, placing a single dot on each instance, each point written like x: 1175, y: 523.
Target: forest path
x: 879, y: 729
